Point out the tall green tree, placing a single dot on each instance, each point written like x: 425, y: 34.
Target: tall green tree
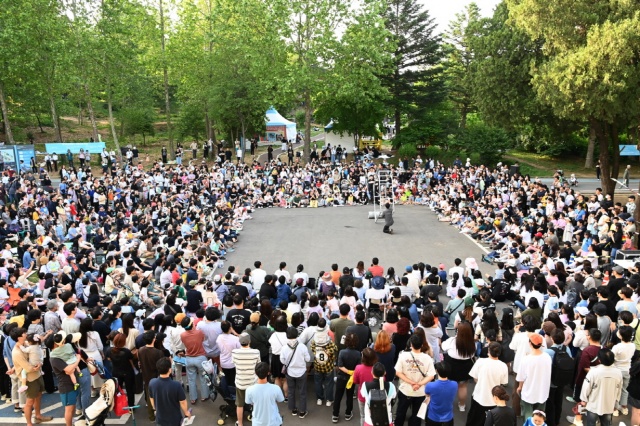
x: 415, y: 80
x: 462, y: 32
x: 591, y: 67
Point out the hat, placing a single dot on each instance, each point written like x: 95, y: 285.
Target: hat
x: 75, y: 337
x: 193, y: 283
x: 468, y: 302
x: 140, y: 313
x: 147, y: 273
x: 535, y: 339
x: 597, y: 274
x: 470, y: 262
x: 600, y: 309
x: 70, y: 258
x: 217, y: 278
x: 255, y: 317
x: 326, y: 276
x: 538, y: 235
x: 631, y: 219
x: 582, y: 310
x: 618, y: 269
x: 540, y: 413
x: 179, y: 317
x: 245, y: 339
x: 66, y: 269
x: 321, y: 335
x: 408, y: 268
x: 441, y: 266
x: 299, y: 281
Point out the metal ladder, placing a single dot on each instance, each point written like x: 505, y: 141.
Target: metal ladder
x: 383, y: 187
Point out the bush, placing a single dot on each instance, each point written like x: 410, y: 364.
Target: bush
x: 407, y: 151
x: 432, y: 151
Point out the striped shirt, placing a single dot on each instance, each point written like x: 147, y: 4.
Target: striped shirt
x: 245, y: 360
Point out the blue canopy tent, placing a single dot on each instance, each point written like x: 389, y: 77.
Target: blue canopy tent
x: 277, y: 125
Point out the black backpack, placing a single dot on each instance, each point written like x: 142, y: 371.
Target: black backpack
x: 378, y: 403
x: 562, y: 367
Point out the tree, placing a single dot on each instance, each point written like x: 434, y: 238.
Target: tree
x: 591, y: 67
x: 414, y: 81
x: 463, y: 31
x: 354, y: 96
x: 138, y: 121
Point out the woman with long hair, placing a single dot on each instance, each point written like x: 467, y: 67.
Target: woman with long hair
x: 277, y: 341
x: 426, y: 348
x: 363, y: 374
x: 401, y: 336
x: 391, y: 324
x: 459, y: 353
x: 432, y: 333
x: 122, y: 361
x: 386, y: 352
x: 130, y: 332
x: 91, y: 344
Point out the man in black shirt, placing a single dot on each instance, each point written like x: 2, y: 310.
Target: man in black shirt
x: 167, y: 396
x: 361, y: 330
x: 239, y: 288
x: 238, y: 317
x: 194, y: 298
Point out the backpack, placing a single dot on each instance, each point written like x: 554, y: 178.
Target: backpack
x: 500, y: 290
x: 562, y: 367
x: 378, y: 403
x: 572, y: 298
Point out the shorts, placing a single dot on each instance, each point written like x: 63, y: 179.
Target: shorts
x: 69, y: 398
x: 240, y: 394
x: 276, y: 367
x: 635, y: 403
x: 35, y: 388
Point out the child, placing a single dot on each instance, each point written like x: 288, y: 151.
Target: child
x: 537, y: 419
x: 33, y: 349
x: 623, y: 352
x: 553, y: 302
x: 67, y: 353
x: 333, y: 306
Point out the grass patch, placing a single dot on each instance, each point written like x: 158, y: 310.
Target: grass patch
x: 544, y: 165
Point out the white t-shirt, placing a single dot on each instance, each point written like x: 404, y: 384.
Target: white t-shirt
x: 489, y: 373
x: 411, y: 366
x: 257, y: 277
x: 535, y: 372
x: 367, y: 410
x: 623, y: 353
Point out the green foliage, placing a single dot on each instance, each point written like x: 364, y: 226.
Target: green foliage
x: 432, y: 151
x: 138, y: 121
x: 488, y: 142
x: 191, y: 123
x: 407, y: 151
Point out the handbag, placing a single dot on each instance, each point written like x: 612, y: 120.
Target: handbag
x: 120, y: 402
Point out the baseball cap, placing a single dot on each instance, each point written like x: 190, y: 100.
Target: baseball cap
x: 179, y: 317
x: 245, y: 339
x: 299, y: 281
x: 535, y: 339
x: 618, y: 269
x: 582, y: 310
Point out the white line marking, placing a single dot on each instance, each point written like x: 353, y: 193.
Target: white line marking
x: 486, y: 251
x: 52, y: 407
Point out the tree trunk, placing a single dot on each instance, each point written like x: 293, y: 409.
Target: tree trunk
x: 608, y: 186
x: 588, y: 162
x: 92, y: 115
x: 463, y: 116
x: 54, y: 117
x: 165, y: 75
x: 5, y: 116
x: 111, y: 120
x: 35, y: 112
x: 307, y: 126
x: 615, y: 148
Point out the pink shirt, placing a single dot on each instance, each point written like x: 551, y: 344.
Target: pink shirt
x: 362, y: 374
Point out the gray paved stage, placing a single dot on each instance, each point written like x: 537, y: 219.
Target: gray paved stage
x: 319, y: 237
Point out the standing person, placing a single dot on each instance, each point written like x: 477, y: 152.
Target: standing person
x: 625, y: 176
x: 598, y: 169
x: 601, y: 390
x: 164, y: 155
x: 194, y: 149
x: 414, y: 369
x: 210, y: 326
x: 361, y: 330
x: 54, y: 159
x: 294, y: 358
x: 149, y: 356
x: 379, y: 383
x: 339, y: 326
x: 35, y: 383
x: 363, y: 374
x: 459, y: 353
x: 560, y: 376
x: 348, y: 359
x: 442, y: 393
x: 623, y: 353
x: 487, y: 373
x: 269, y: 153
x: 122, y: 366
x: 167, y: 396
x: 265, y: 397
x: 388, y: 219
x: 245, y: 360
x: 13, y: 332
x: 324, y: 359
x: 501, y: 415
x: 534, y: 377
x: 62, y: 370
x: 193, y: 340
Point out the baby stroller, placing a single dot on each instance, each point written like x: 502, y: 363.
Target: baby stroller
x: 217, y: 384
x: 97, y: 412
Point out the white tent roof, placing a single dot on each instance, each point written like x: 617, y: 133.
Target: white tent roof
x: 275, y: 119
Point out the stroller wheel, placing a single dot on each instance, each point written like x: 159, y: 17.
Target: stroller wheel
x: 220, y: 421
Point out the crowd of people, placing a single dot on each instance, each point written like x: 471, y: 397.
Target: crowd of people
x: 123, y: 272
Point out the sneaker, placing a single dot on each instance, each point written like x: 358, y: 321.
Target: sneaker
x: 302, y: 414
x: 348, y: 417
x: 319, y: 402
x: 616, y: 413
x: 571, y: 400
x: 294, y: 412
x: 22, y: 389
x: 624, y: 411
x: 462, y: 407
x: 335, y: 419
x: 328, y: 404
x: 572, y: 420
x: 78, y: 412
x: 286, y: 399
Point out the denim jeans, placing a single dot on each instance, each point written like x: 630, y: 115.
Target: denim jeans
x: 84, y: 394
x: 592, y: 418
x: 624, y: 396
x: 297, y: 393
x: 194, y: 370
x: 324, y: 385
x: 520, y: 305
